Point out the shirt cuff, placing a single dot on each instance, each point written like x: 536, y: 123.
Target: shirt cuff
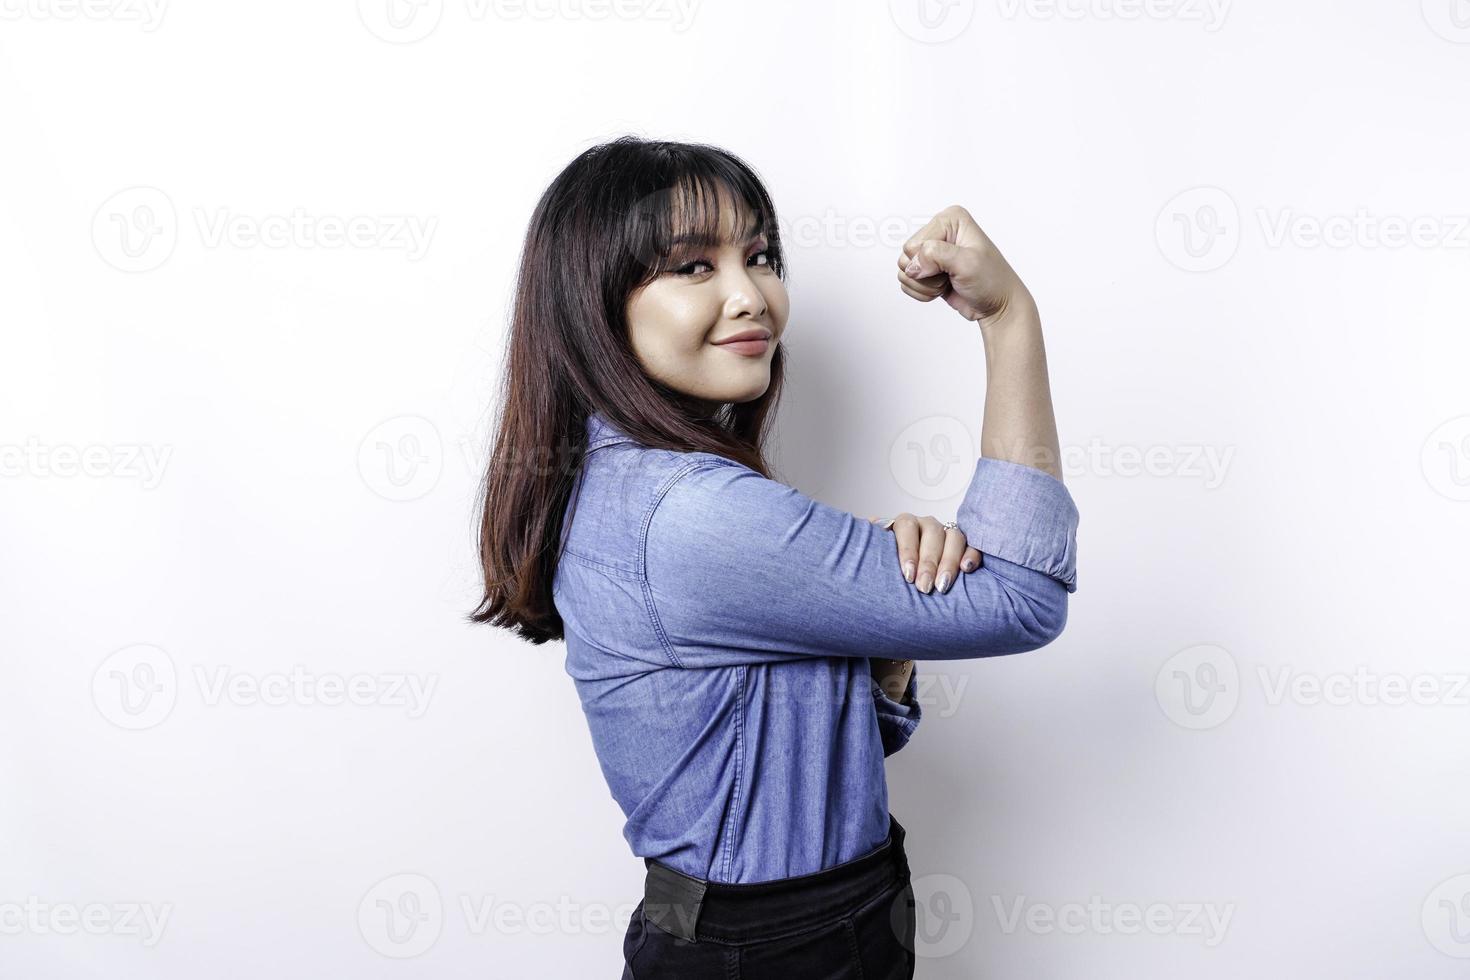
x: 1023, y: 515
x: 897, y: 721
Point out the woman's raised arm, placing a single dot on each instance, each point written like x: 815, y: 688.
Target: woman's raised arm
x: 740, y: 568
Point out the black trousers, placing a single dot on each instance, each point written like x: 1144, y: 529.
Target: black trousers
x: 853, y: 920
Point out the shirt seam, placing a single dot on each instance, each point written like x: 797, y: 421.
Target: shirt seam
x: 642, y: 555
x: 732, y: 816
x: 600, y: 566
x: 735, y: 802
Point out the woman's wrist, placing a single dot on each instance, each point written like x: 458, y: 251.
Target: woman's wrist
x: 1019, y: 312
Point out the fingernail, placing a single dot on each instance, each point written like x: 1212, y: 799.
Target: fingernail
x: 925, y: 583
x: 913, y: 268
x: 968, y: 564
x: 943, y: 582
x: 908, y: 572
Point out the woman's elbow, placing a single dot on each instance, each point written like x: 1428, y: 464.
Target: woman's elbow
x: 1050, y: 615
x: 1031, y: 618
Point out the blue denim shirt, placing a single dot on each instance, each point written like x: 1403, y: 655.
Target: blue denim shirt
x: 718, y: 629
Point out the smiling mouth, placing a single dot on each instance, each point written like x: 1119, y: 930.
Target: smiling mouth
x: 749, y: 348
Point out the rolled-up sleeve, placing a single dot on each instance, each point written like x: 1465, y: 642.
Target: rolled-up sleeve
x: 1023, y: 515
x: 897, y: 720
x: 739, y: 568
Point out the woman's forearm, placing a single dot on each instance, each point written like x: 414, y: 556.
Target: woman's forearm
x: 1019, y: 424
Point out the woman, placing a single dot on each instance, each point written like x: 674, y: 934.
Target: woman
x: 730, y: 638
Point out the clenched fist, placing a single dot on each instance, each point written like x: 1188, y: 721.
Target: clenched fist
x: 951, y: 257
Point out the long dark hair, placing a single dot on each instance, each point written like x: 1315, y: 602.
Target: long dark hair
x: 604, y: 227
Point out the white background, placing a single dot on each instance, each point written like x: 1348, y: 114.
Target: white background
x: 1257, y: 709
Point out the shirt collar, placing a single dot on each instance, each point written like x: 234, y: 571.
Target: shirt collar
x: 602, y: 432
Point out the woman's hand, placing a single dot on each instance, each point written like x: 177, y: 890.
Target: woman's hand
x: 951, y: 257
x: 930, y: 552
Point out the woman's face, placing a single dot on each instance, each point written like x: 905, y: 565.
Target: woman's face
x: 679, y: 323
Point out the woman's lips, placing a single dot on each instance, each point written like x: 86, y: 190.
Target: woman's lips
x: 750, y: 348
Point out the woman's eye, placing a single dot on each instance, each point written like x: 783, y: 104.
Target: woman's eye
x: 761, y: 258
